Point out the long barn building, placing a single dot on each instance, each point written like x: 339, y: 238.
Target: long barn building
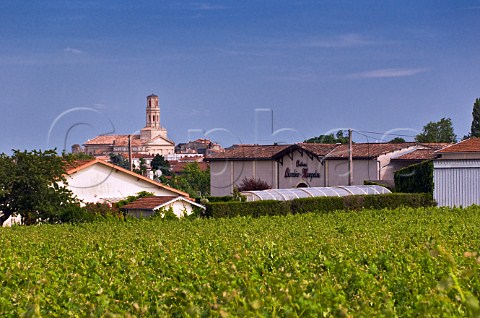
x: 312, y: 165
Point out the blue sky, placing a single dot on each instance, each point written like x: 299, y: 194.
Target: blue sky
x: 234, y: 71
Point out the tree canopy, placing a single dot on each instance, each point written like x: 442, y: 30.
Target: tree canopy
x: 397, y: 140
x: 330, y: 139
x: 33, y: 184
x: 193, y: 180
x: 440, y: 131
x: 120, y: 161
x: 252, y: 184
x: 159, y: 162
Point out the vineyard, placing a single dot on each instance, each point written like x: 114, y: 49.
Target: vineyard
x: 404, y: 262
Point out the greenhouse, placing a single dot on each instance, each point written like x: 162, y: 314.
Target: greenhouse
x: 296, y: 193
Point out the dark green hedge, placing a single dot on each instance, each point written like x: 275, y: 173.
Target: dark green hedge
x: 416, y: 178
x: 319, y: 204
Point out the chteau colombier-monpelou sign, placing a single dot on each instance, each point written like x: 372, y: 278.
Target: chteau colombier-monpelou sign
x: 304, y: 173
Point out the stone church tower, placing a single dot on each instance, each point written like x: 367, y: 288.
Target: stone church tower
x: 151, y: 140
x: 153, y: 128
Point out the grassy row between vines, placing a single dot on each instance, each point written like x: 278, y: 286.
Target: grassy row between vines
x: 405, y: 262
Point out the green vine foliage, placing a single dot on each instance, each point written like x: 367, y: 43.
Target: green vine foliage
x: 407, y: 262
x: 416, y: 178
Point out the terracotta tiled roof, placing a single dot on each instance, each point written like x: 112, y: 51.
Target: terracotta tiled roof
x: 76, y: 163
x: 418, y: 155
x: 148, y: 203
x: 115, y: 140
x: 246, y: 152
x: 367, y: 150
x: 83, y: 164
x: 467, y: 145
x: 436, y: 145
x: 330, y: 151
x: 139, y: 155
x: 318, y: 149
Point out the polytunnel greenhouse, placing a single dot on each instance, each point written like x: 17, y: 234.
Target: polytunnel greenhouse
x: 296, y: 193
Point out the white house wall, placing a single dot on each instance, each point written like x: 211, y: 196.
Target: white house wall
x: 387, y: 170
x: 179, y: 207
x: 99, y: 181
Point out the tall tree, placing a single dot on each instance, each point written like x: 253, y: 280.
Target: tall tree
x: 475, y: 129
x: 32, y: 184
x: 159, y: 162
x: 440, y: 131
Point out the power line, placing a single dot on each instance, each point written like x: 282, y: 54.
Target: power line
x: 384, y: 134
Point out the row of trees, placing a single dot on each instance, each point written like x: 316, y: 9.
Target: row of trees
x: 442, y: 130
x: 439, y: 131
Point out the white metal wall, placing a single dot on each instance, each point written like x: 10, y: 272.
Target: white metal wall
x: 456, y: 182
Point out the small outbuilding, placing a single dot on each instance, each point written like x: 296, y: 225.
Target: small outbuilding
x: 297, y: 193
x: 147, y: 206
x: 456, y: 174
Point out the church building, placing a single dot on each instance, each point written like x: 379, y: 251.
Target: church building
x: 151, y: 140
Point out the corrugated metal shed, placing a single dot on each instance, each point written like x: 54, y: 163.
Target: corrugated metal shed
x: 456, y: 182
x: 295, y: 193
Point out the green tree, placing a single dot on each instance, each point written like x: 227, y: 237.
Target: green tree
x: 193, y: 180
x: 120, y: 161
x: 32, y: 184
x: 475, y: 128
x: 159, y: 162
x: 441, y: 131
x: 397, y: 140
x: 330, y: 139
x: 77, y: 156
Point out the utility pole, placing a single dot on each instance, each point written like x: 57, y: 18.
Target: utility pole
x: 130, y: 152
x: 350, y: 158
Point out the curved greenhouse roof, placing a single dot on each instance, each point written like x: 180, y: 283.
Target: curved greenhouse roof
x: 295, y: 193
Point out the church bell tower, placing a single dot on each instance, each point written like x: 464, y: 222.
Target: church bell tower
x: 153, y: 112
x: 152, y: 127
